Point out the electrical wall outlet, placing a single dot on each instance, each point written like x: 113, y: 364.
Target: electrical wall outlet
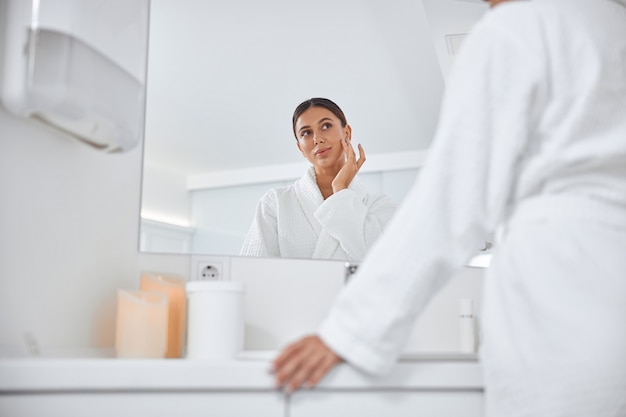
x: 210, y: 267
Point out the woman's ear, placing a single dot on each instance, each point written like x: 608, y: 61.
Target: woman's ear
x: 348, y: 131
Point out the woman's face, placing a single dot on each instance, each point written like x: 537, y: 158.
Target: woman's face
x: 319, y: 134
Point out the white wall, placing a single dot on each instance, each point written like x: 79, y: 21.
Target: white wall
x: 69, y: 230
x: 69, y: 221
x: 165, y: 196
x: 225, y: 77
x: 288, y: 298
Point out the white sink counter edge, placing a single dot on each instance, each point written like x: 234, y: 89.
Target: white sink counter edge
x: 251, y: 372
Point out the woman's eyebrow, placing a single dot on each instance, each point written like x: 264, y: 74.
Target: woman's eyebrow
x: 324, y: 119
x: 303, y: 128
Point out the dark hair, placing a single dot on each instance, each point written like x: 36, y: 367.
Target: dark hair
x: 317, y: 102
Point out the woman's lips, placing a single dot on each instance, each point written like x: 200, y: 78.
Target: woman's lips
x: 322, y: 151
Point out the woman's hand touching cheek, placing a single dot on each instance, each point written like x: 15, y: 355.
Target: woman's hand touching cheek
x: 350, y: 168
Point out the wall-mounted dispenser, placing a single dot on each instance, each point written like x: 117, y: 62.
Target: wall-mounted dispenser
x: 79, y: 66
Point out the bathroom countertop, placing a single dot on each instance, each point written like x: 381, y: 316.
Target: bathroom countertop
x: 250, y: 372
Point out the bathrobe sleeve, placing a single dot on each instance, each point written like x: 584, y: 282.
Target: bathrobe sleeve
x: 493, y: 95
x: 355, y: 219
x: 262, y: 237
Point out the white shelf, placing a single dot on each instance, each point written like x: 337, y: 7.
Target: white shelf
x: 101, y: 374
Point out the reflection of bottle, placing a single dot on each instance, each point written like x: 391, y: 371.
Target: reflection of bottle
x: 467, y: 327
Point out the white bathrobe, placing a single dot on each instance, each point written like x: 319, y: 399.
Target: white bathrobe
x: 531, y: 144
x: 296, y: 222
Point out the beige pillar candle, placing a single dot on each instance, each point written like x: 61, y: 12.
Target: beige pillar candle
x: 174, y: 288
x: 141, y: 330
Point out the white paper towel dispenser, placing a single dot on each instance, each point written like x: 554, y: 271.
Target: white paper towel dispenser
x: 79, y: 66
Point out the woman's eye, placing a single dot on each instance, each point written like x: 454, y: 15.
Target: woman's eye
x: 305, y: 134
x: 326, y: 126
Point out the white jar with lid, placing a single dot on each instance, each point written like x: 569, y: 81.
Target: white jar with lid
x: 215, y: 326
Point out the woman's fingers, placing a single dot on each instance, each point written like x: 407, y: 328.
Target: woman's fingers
x: 347, y: 145
x: 286, y: 364
x: 351, y: 155
x: 304, y: 363
x: 303, y: 373
x: 289, y: 362
x: 350, y: 168
x: 325, y: 365
x: 361, y: 157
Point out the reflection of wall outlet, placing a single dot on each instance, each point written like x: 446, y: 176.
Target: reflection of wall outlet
x: 209, y: 267
x: 210, y: 272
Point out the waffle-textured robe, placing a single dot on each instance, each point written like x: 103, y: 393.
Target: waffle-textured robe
x: 531, y: 144
x: 296, y: 222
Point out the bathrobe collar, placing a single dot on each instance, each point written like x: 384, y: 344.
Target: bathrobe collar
x: 310, y: 199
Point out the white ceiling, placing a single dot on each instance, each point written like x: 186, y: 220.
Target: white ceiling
x: 224, y: 76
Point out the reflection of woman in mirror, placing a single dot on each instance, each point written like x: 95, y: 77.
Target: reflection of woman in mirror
x: 328, y: 213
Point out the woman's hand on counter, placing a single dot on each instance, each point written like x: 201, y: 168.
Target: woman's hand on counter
x: 304, y: 363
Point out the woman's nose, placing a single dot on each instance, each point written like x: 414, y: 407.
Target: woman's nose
x: 317, y: 138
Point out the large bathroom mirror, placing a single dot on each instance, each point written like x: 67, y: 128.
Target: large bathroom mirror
x: 225, y: 76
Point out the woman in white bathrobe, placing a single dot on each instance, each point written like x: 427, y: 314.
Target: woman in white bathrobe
x: 531, y: 144
x: 328, y: 213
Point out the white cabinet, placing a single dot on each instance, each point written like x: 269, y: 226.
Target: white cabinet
x: 423, y: 386
x: 138, y: 404
x: 429, y: 386
x: 395, y: 403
